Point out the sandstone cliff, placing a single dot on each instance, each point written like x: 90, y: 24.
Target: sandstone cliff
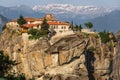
x: 116, y: 61
x: 75, y: 57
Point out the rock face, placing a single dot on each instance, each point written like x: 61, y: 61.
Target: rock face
x: 74, y: 57
x: 116, y: 61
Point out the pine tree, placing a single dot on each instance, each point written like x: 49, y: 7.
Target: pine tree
x: 5, y: 64
x: 44, y: 25
x: 21, y: 20
x: 44, y: 28
x: 88, y: 25
x: 71, y: 25
x: 79, y: 27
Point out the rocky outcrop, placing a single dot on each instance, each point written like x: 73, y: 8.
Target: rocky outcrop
x: 116, y: 60
x: 75, y: 57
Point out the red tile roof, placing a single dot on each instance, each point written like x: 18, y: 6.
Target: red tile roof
x: 30, y: 19
x: 39, y: 19
x: 30, y: 25
x: 57, y: 23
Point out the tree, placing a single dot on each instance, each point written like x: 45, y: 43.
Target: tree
x: 34, y: 34
x: 44, y: 28
x: 71, y: 25
x: 44, y: 25
x: 21, y: 20
x: 33, y: 31
x: 104, y: 36
x: 77, y: 27
x: 88, y: 25
x: 5, y: 64
x: 3, y: 27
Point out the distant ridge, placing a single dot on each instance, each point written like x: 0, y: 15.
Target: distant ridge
x: 16, y: 11
x: 110, y: 22
x: 3, y: 20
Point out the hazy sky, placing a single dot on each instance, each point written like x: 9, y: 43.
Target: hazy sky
x: 31, y: 3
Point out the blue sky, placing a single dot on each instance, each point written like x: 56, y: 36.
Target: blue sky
x: 31, y: 3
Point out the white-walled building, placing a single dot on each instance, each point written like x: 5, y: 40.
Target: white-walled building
x: 58, y: 26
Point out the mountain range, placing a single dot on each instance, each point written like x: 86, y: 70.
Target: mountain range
x: 3, y: 20
x: 109, y: 22
x: 15, y: 11
x: 102, y: 18
x: 67, y: 12
x: 67, y: 9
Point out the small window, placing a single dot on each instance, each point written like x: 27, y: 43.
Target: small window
x: 51, y: 26
x: 65, y: 27
x: 62, y: 27
x: 56, y: 27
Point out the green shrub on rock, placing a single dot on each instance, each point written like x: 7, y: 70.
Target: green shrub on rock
x: 104, y: 37
x: 36, y: 34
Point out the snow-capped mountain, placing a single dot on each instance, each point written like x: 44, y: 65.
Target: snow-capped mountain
x: 85, y: 11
